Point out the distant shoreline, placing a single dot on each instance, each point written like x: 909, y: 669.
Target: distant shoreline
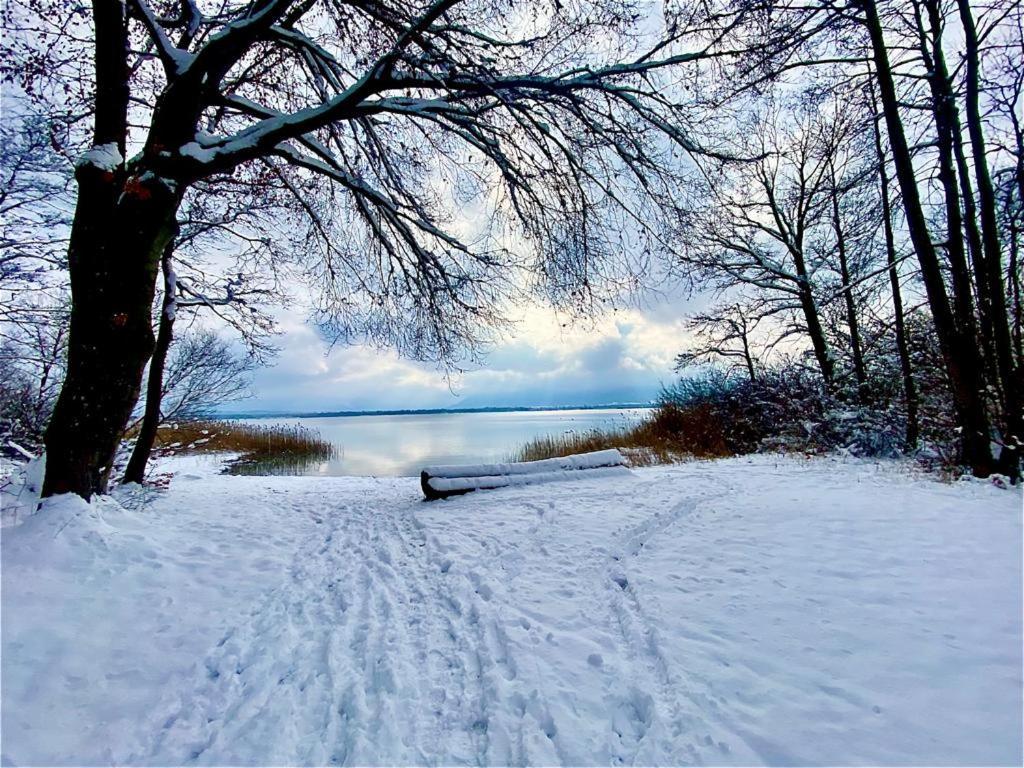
x: 428, y: 411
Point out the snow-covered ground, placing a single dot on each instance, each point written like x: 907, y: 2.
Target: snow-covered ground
x: 747, y: 611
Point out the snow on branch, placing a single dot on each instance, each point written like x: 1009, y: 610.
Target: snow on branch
x: 432, y: 152
x: 174, y: 59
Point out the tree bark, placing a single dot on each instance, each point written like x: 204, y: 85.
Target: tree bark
x: 136, y: 469
x: 959, y: 349
x: 817, y: 334
x: 747, y: 356
x: 119, y: 232
x: 913, y: 431
x: 943, y: 110
x: 976, y: 251
x: 1013, y: 277
x: 811, y: 317
x: 1013, y: 418
x: 856, y: 348
x: 111, y: 70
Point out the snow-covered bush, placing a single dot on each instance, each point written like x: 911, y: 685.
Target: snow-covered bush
x: 787, y: 408
x: 29, y: 377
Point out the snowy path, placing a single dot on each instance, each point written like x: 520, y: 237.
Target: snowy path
x: 740, y: 612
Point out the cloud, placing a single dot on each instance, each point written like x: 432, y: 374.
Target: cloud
x: 621, y: 356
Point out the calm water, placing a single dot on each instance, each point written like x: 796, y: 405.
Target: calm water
x: 403, y: 445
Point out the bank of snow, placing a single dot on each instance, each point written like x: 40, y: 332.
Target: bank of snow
x: 735, y: 612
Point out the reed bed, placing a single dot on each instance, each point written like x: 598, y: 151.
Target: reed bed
x: 669, y: 435
x: 254, y: 443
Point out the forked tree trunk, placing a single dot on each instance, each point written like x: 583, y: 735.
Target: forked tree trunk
x: 960, y: 353
x: 136, y: 470
x: 120, y: 230
x: 945, y: 127
x: 812, y: 319
x: 975, y: 251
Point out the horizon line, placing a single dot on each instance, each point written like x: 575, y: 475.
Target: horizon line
x: 268, y: 414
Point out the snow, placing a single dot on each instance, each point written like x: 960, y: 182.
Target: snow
x: 106, y: 157
x: 22, y: 451
x: 591, y: 460
x: 171, y: 294
x: 491, y: 482
x: 198, y: 152
x: 749, y: 611
x: 20, y: 487
x: 454, y: 478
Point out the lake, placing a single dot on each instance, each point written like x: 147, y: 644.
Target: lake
x: 401, y: 445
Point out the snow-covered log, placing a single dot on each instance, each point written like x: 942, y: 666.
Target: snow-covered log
x: 442, y: 481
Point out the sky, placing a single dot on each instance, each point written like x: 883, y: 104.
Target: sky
x: 623, y: 356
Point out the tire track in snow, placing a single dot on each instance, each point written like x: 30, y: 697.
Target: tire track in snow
x: 449, y: 689
x: 383, y: 649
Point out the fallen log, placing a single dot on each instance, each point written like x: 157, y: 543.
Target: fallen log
x: 439, y: 482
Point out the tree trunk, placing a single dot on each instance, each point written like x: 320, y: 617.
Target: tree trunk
x: 856, y: 348
x: 136, y: 470
x: 906, y: 369
x: 811, y: 317
x: 817, y: 334
x: 120, y: 230
x: 1015, y: 213
x: 748, y: 358
x: 902, y: 347
x: 946, y: 138
x: 1013, y: 418
x: 959, y: 350
x: 976, y: 252
x: 1013, y: 277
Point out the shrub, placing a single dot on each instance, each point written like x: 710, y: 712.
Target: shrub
x: 716, y: 414
x: 788, y: 408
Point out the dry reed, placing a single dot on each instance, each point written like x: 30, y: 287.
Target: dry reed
x: 669, y: 435
x: 254, y: 442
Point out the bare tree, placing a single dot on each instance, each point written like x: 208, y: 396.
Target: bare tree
x: 796, y: 38
x: 204, y: 372
x: 35, y: 205
x: 1004, y: 91
x: 910, y: 395
x: 36, y: 201
x: 763, y: 223
x: 553, y: 119
x: 33, y: 353
x: 217, y: 375
x: 724, y: 333
x: 990, y: 283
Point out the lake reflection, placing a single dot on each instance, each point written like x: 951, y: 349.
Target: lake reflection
x: 402, y: 445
